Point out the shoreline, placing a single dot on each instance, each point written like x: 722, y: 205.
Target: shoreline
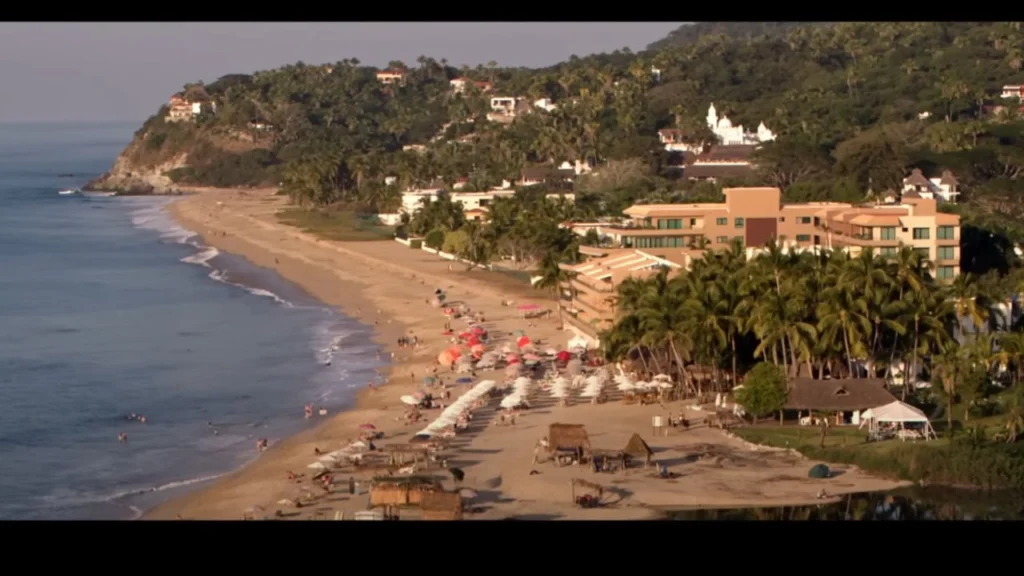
x: 376, y: 280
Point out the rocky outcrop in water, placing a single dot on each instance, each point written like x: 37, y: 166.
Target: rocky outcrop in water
x: 128, y: 178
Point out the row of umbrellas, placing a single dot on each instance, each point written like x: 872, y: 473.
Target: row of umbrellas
x: 520, y: 393
x: 626, y: 384
x: 450, y: 415
x: 339, y: 456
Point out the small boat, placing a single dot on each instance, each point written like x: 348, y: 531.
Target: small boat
x: 99, y: 194
x: 68, y: 192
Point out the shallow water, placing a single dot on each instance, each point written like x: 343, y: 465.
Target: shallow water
x: 107, y: 308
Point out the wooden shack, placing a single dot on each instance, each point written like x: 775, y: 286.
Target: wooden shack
x: 590, y: 493
x: 637, y: 449
x: 441, y: 506
x: 405, y: 491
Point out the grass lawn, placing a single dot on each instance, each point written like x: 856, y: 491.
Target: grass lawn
x: 957, y: 462
x: 340, y: 225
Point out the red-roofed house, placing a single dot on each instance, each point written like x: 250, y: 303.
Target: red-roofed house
x: 391, y: 76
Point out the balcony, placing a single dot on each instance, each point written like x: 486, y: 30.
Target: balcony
x: 581, y: 325
x: 588, y: 284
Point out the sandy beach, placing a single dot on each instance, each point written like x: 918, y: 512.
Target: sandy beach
x: 387, y: 284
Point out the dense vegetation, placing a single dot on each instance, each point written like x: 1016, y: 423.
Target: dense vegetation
x: 845, y: 100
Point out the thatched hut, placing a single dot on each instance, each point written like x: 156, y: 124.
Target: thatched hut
x: 399, y: 454
x: 844, y: 397
x: 637, y: 449
x: 405, y: 491
x: 568, y: 437
x: 441, y: 506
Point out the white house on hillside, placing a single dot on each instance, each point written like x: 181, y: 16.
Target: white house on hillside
x: 945, y: 188
x: 729, y: 135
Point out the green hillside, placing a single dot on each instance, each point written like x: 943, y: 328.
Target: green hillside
x: 855, y: 106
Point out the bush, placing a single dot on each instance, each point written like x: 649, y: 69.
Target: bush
x: 416, y: 244
x: 764, y: 390
x: 434, y: 239
x: 228, y: 170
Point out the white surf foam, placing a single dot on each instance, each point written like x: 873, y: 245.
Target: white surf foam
x: 150, y: 214
x: 65, y: 497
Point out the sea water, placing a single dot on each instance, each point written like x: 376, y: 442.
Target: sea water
x: 108, y: 308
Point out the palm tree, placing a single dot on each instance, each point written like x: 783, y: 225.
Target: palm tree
x: 552, y: 277
x: 843, y: 316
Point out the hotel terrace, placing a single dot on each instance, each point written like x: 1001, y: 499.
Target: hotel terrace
x: 666, y: 235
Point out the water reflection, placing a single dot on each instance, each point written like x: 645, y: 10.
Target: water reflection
x: 911, y: 504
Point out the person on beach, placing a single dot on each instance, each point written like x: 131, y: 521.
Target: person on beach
x: 122, y: 437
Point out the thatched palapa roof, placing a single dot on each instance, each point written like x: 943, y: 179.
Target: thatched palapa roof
x: 406, y: 482
x: 568, y: 436
x: 441, y: 506
x: 845, y: 395
x: 637, y: 448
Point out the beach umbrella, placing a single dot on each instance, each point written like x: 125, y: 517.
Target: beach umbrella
x: 512, y: 358
x: 478, y: 348
x: 526, y: 307
x: 467, y: 493
x: 664, y: 385
x: 531, y: 357
x: 511, y: 401
x: 478, y: 330
x: 367, y: 427
x: 524, y: 341
x: 409, y: 400
x: 317, y: 466
x: 464, y: 335
x: 445, y: 359
x: 463, y: 380
x: 563, y: 356
x: 472, y: 342
x: 625, y: 386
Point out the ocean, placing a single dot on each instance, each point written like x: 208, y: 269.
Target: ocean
x: 107, y: 308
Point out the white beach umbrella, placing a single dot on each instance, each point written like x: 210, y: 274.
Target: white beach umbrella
x: 625, y: 386
x: 664, y: 385
x: 317, y: 466
x: 409, y: 400
x: 511, y: 401
x: 663, y: 377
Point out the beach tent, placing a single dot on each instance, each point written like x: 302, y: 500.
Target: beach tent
x: 897, y: 413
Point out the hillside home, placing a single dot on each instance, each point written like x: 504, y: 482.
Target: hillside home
x: 720, y: 162
x: 459, y: 85
x: 1013, y: 91
x: 945, y: 188
x: 534, y: 175
x: 730, y: 135
x: 391, y: 76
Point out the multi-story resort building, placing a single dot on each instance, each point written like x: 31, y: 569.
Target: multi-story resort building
x: 669, y: 235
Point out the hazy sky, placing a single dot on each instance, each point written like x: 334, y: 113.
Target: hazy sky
x: 124, y: 71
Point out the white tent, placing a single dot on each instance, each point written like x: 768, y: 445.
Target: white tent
x: 897, y: 413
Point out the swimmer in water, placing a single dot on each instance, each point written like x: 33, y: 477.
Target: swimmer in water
x: 122, y: 437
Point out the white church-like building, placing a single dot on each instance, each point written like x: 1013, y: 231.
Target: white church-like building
x: 725, y: 134
x: 729, y: 135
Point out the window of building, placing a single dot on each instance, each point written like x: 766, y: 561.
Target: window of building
x: 924, y: 252
x: 803, y: 237
x: 946, y: 253
x: 693, y: 222
x: 722, y: 240
x: 805, y: 219
x: 484, y: 202
x: 782, y: 218
x: 945, y: 272
x: 889, y: 233
x: 889, y: 251
x: 670, y: 224
x: 817, y: 221
x: 946, y: 233
x: 921, y: 233
x: 739, y: 222
x: 722, y: 221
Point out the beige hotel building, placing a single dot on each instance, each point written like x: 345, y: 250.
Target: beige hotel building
x: 664, y: 235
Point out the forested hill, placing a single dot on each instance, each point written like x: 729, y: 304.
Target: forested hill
x: 689, y: 33
x: 855, y: 106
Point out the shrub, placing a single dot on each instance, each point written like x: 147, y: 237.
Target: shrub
x: 416, y: 244
x: 434, y: 239
x: 764, y: 390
